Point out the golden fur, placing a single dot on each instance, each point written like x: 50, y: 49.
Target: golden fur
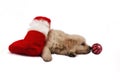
x: 64, y: 44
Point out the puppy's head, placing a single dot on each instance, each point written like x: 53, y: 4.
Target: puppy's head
x: 80, y: 45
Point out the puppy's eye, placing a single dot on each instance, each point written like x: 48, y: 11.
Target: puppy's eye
x: 83, y: 44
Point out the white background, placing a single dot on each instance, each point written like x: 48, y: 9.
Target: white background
x: 96, y: 20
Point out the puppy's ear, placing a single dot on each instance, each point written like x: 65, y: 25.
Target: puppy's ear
x: 70, y: 43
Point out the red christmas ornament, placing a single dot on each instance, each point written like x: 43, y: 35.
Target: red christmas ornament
x: 96, y: 48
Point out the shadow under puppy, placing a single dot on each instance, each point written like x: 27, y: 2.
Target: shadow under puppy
x: 62, y: 43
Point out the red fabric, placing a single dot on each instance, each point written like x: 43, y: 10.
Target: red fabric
x: 42, y: 18
x: 31, y: 45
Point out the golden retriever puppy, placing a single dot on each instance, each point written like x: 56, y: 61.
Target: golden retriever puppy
x: 62, y: 43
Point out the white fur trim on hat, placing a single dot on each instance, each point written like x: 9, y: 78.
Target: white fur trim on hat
x: 40, y: 25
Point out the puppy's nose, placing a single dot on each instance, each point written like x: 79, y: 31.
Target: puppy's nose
x: 90, y: 47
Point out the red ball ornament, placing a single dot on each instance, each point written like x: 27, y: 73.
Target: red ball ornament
x: 96, y: 48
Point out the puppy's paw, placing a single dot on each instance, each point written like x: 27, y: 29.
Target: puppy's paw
x: 46, y: 55
x: 47, y: 59
x: 72, y: 55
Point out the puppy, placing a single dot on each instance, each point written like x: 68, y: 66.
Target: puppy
x: 62, y: 43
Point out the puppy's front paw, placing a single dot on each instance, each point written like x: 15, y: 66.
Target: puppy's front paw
x: 47, y: 59
x: 72, y: 55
